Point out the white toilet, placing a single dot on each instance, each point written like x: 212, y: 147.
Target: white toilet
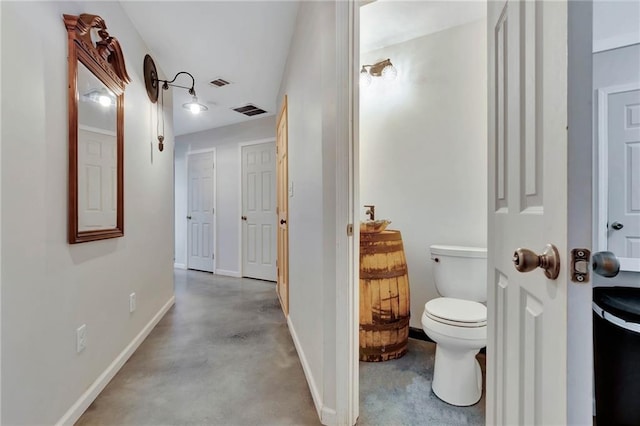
x: 457, y: 322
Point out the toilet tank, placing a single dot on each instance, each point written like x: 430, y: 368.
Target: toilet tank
x: 460, y: 272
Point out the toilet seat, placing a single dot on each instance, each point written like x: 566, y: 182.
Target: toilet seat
x: 456, y: 312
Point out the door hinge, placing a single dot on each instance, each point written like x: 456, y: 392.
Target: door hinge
x: 580, y: 258
x: 213, y: 256
x: 350, y: 229
x: 213, y: 211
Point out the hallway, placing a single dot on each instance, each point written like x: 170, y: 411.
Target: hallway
x: 221, y: 355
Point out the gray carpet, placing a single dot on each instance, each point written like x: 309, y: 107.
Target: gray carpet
x: 398, y: 392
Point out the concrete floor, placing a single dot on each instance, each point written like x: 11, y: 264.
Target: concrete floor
x: 221, y: 356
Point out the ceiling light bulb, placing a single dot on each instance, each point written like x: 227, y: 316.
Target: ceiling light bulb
x: 104, y: 100
x: 365, y: 78
x: 389, y: 72
x: 194, y: 108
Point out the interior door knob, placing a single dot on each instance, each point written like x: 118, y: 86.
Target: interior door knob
x: 617, y: 226
x: 243, y: 217
x: 605, y: 263
x: 526, y: 260
x: 189, y: 217
x: 282, y: 221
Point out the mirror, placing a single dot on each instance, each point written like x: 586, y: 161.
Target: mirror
x: 97, y: 78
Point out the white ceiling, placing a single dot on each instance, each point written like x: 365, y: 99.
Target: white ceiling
x: 245, y: 42
x: 387, y: 22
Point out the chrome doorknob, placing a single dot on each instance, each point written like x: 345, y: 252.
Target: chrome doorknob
x: 605, y: 263
x: 526, y: 260
x: 617, y: 226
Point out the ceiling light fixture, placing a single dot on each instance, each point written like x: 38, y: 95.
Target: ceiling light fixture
x: 384, y: 69
x: 100, y: 96
x: 152, y: 83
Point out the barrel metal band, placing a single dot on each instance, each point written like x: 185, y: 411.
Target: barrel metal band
x: 377, y: 249
x: 380, y: 350
x: 402, y: 322
x: 377, y: 274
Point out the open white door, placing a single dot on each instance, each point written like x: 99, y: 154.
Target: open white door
x: 528, y: 208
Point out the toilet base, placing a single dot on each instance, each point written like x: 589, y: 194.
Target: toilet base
x: 457, y: 377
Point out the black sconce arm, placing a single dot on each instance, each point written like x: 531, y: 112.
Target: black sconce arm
x: 167, y: 83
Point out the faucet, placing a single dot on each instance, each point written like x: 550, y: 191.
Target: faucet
x: 371, y: 211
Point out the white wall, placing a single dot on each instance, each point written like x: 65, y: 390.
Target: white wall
x: 423, y: 141
x: 50, y: 287
x: 615, y: 23
x: 309, y: 82
x: 226, y: 142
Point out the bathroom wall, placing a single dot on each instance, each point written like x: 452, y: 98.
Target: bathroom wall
x: 423, y: 147
x: 226, y: 141
x: 50, y: 288
x: 614, y: 68
x: 309, y: 82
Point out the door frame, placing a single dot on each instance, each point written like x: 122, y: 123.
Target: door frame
x: 240, y: 240
x: 580, y: 87
x: 215, y: 206
x: 601, y: 164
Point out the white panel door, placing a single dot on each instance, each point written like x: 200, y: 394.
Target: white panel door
x: 623, y: 233
x: 200, y: 211
x: 259, y: 211
x: 527, y: 324
x: 97, y: 170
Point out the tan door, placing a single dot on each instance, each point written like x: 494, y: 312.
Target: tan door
x: 282, y: 177
x: 527, y: 324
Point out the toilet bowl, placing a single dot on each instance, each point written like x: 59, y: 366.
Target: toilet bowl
x: 457, y: 322
x: 459, y: 329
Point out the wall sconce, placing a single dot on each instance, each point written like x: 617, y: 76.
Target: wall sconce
x: 384, y: 69
x: 152, y: 84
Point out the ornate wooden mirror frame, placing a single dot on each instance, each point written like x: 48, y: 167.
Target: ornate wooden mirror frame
x: 96, y: 201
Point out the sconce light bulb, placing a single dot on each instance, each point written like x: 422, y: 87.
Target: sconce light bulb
x: 194, y: 106
x: 389, y: 72
x: 104, y: 100
x: 365, y: 78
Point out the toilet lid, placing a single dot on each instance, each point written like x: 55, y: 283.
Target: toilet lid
x: 463, y: 313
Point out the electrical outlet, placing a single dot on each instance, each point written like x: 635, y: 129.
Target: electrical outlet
x: 132, y: 302
x: 81, y: 338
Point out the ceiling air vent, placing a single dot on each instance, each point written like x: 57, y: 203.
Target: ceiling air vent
x: 219, y: 82
x: 249, y: 110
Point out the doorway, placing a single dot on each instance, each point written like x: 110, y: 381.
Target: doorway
x: 201, y: 236
x: 423, y: 165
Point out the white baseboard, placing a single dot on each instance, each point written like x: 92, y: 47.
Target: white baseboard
x: 179, y: 266
x: 76, y: 410
x: 235, y: 274
x: 326, y: 415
